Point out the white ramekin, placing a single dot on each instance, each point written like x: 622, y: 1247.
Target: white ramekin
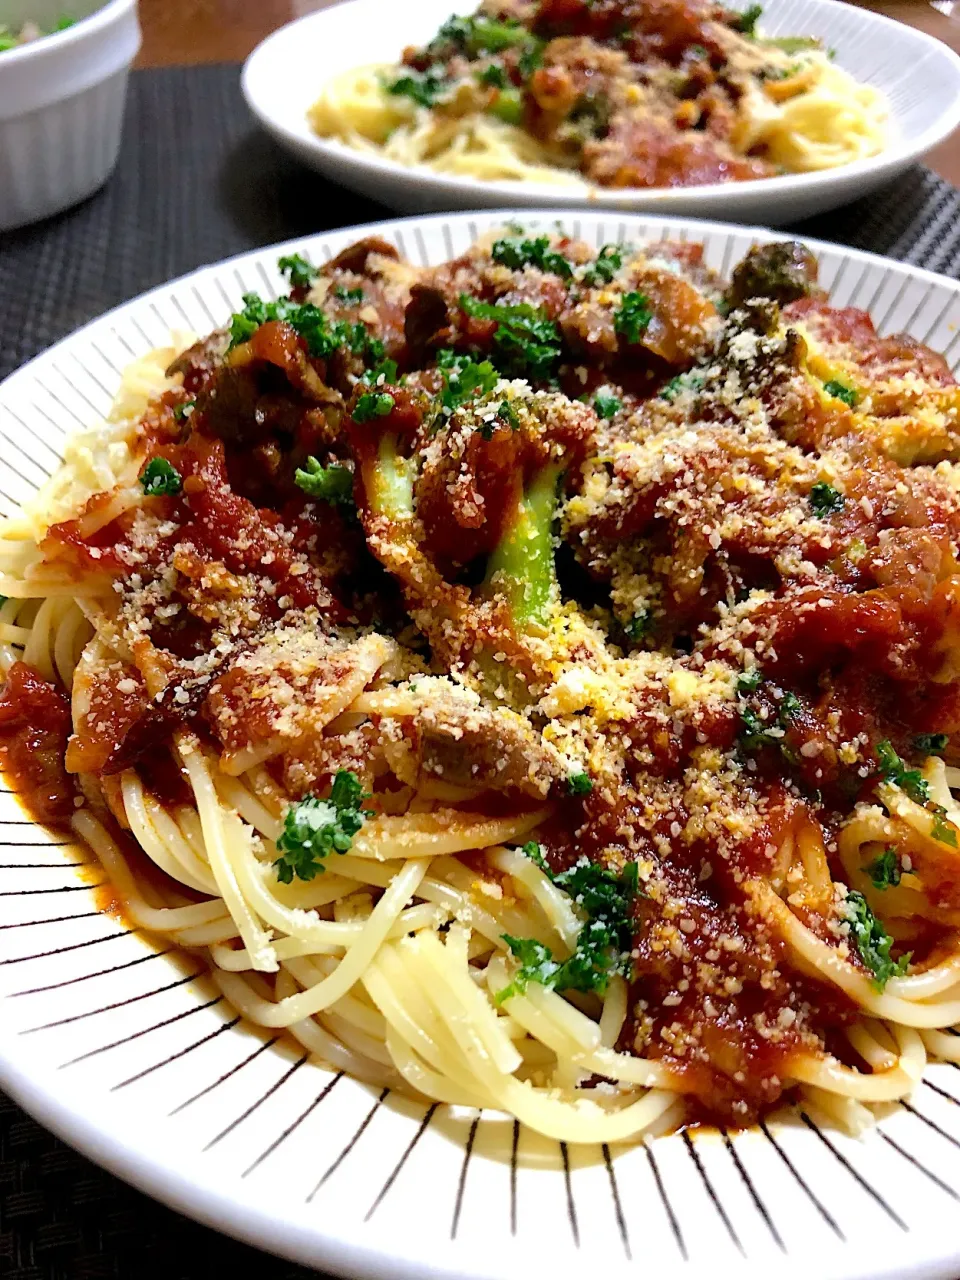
x: 61, y: 109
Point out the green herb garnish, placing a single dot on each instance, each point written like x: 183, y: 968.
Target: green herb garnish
x: 183, y: 410
x: 424, y: 87
x: 746, y: 22
x: 633, y: 316
x: 464, y: 377
x: 314, y: 828
x: 386, y: 370
x: 372, y: 404
x: 322, y: 336
x: 507, y: 106
x: 749, y: 682
x: 348, y: 295
x: 605, y: 266
x: 579, y: 784
x: 910, y: 781
x: 493, y: 75
x: 943, y: 830
x: 885, y: 870
x: 332, y: 484
x: 603, y: 943
x: 873, y: 942
x: 515, y: 253
x: 297, y: 270
x: 526, y: 343
x: 605, y: 405
x: 841, y: 392
x: 824, y: 499
x: 160, y: 478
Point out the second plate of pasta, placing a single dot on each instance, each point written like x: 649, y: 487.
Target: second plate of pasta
x: 770, y: 113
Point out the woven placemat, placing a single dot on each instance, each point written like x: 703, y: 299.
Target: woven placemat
x: 198, y: 182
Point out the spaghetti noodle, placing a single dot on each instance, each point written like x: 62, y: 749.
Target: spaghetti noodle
x: 528, y: 681
x: 620, y: 94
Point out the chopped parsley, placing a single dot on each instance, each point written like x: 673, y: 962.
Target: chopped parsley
x: 756, y: 733
x: 478, y: 34
x: 691, y: 381
x: 841, y: 392
x: 942, y: 830
x: 930, y: 744
x: 605, y: 266
x: 297, y: 270
x: 910, y: 781
x: 322, y: 336
x: 183, y: 410
x: 493, y: 75
x: 873, y: 942
x: 314, y: 828
x: 749, y: 682
x: 639, y: 625
x: 606, y: 405
x: 603, y: 943
x: 332, y: 484
x: 633, y: 316
x: 424, y: 87
x: 824, y: 499
x: 385, y: 370
x: 746, y: 22
x: 790, y: 707
x: 531, y: 57
x: 160, y: 478
x: 885, y: 870
x: 464, y: 377
x: 526, y: 343
x: 372, y: 404
x: 579, y: 784
x: 348, y: 295
x: 534, y: 853
x: 516, y: 253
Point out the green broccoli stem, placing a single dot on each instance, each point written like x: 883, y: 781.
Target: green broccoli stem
x: 521, y: 567
x: 389, y: 481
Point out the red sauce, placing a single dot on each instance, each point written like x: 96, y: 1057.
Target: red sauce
x: 34, y: 726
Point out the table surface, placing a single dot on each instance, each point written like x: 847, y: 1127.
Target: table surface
x: 179, y: 32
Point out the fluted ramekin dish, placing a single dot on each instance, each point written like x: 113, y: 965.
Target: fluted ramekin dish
x: 61, y: 104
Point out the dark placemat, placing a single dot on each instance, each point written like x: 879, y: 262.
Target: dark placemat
x: 196, y: 182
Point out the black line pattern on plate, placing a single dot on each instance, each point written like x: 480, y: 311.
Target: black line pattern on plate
x: 91, y: 375
x: 45, y: 386
x: 942, y: 1092
x: 758, y: 1204
x: 408, y: 1149
x: 267, y: 1044
x: 74, y: 946
x: 108, y: 1008
x: 259, y: 1102
x: 361, y: 1130
x: 32, y: 924
x: 931, y: 1124
x: 617, y: 1206
x: 854, y: 1173
x: 665, y: 1201
x: 33, y: 893
x: 77, y: 390
x: 810, y: 1194
x: 44, y: 866
x: 295, y: 1124
x: 138, y: 1035
x: 181, y: 1053
x: 711, y: 1191
x: 568, y: 1188
x: 38, y: 844
x: 85, y: 977
x: 462, y: 1180
x: 513, y: 1177
x: 106, y: 360
x: 36, y: 435
x: 918, y: 1164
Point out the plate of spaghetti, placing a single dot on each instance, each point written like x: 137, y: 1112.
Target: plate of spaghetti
x: 478, y: 730
x: 767, y: 112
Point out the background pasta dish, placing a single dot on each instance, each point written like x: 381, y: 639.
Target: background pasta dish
x: 621, y: 93
x: 529, y: 681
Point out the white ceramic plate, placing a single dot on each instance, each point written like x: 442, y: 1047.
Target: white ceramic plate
x: 919, y: 75
x: 127, y: 1054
